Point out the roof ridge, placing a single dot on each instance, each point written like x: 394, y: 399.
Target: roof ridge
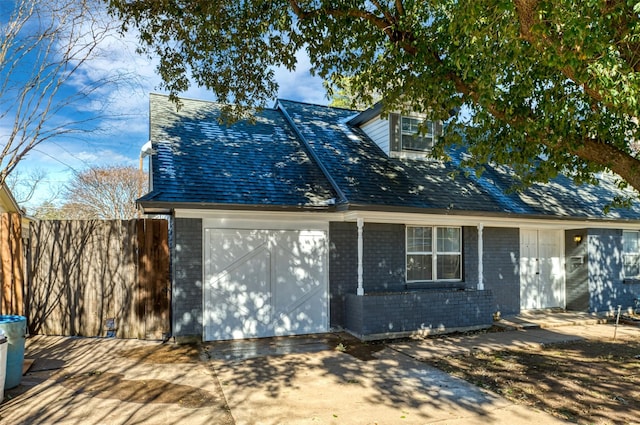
x: 343, y: 198
x: 315, y: 104
x: 211, y: 102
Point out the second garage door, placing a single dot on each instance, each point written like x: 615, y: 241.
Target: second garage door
x: 261, y: 283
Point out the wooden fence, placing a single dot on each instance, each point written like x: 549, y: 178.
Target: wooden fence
x: 94, y: 278
x: 12, y: 261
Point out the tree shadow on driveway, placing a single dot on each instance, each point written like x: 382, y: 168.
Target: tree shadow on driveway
x: 325, y: 384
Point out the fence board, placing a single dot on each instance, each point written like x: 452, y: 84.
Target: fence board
x: 11, y: 264
x: 86, y: 275
x: 153, y: 260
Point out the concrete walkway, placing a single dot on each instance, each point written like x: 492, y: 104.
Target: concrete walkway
x: 300, y: 380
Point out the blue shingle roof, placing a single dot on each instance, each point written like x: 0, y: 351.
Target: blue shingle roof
x: 371, y: 179
x: 200, y: 161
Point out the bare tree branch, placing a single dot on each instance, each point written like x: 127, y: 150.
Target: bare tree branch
x: 105, y: 193
x: 45, y: 47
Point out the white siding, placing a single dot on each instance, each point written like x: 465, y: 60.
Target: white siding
x: 378, y: 130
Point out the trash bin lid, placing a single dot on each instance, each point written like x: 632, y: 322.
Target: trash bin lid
x: 12, y: 319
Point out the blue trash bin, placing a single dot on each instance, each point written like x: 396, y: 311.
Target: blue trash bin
x: 15, y: 329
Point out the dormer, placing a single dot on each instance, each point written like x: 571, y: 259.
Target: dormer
x: 400, y: 136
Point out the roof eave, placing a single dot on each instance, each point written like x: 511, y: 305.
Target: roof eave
x: 155, y: 207
x: 366, y: 115
x: 496, y: 214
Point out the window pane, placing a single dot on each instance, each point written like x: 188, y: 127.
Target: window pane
x: 409, y: 125
x: 412, y: 139
x: 631, y: 265
x: 448, y: 266
x: 448, y: 239
x: 630, y: 242
x: 416, y: 143
x: 419, y: 239
x: 419, y: 267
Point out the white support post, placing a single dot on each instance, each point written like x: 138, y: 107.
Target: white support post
x: 360, y: 223
x: 480, y: 258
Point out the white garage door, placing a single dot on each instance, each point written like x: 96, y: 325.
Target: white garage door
x: 261, y: 283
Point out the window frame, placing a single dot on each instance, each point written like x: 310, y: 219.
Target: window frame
x: 416, y: 134
x: 626, y: 254
x: 434, y: 254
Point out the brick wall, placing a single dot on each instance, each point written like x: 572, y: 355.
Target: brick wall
x: 501, y: 247
x: 376, y: 316
x: 343, y: 268
x: 384, y: 265
x: 607, y: 287
x: 383, y: 262
x: 187, y: 278
x: 470, y: 257
x: 384, y: 257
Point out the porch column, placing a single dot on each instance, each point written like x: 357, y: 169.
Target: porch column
x: 360, y: 223
x: 480, y: 259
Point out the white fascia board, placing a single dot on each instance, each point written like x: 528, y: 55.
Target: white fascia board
x: 294, y: 219
x: 487, y: 221
x: 285, y: 220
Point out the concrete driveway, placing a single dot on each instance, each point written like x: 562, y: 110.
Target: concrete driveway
x: 275, y: 381
x: 114, y: 381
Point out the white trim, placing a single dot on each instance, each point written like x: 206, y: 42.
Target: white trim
x: 264, y: 224
x: 292, y: 216
x: 418, y: 219
x: 516, y: 221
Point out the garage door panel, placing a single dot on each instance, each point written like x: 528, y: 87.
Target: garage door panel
x: 230, y: 246
x: 237, y: 299
x: 302, y: 315
x: 264, y: 283
x: 300, y: 263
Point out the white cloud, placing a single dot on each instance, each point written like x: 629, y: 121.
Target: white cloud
x: 299, y: 84
x: 123, y: 108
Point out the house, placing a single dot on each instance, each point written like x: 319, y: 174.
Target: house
x: 8, y: 204
x: 316, y: 218
x: 14, y: 233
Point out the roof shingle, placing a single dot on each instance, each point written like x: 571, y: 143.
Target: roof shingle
x: 198, y: 160
x: 201, y: 161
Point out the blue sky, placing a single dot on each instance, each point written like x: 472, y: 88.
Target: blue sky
x: 124, y: 122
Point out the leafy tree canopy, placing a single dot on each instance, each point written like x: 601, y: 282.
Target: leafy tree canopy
x: 556, y: 80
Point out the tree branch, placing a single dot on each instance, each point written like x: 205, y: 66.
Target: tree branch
x: 382, y: 23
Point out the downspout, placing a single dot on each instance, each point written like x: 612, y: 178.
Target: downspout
x: 145, y: 151
x: 342, y: 199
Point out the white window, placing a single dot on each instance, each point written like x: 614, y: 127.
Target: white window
x: 631, y: 253
x: 432, y: 258
x: 417, y: 135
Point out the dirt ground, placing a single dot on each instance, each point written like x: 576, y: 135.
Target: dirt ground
x: 594, y: 381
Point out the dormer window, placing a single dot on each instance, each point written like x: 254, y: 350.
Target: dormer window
x: 412, y: 138
x: 400, y: 136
